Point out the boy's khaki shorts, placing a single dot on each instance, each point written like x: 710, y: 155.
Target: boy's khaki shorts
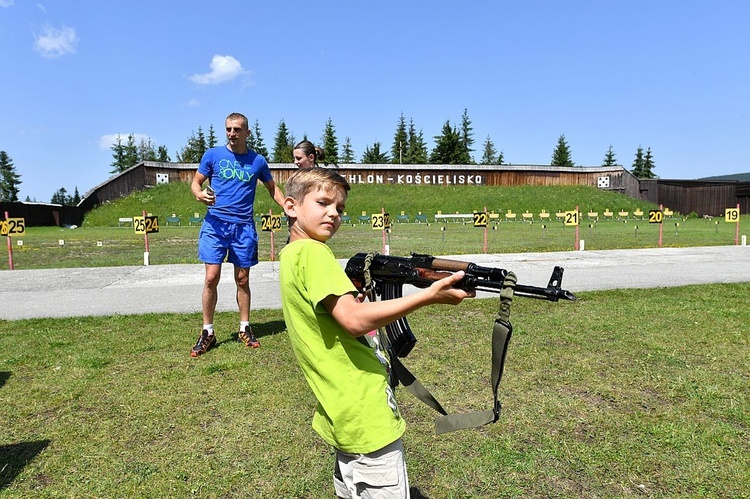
x: 379, y: 474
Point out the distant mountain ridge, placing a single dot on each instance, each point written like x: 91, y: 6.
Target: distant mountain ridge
x: 741, y: 177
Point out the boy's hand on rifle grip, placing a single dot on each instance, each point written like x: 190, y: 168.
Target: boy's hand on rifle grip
x: 445, y: 293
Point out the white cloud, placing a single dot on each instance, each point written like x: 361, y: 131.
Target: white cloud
x: 6, y: 3
x: 194, y: 102
x: 55, y: 42
x: 223, y: 68
x: 107, y: 141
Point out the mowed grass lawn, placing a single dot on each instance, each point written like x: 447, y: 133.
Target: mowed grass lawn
x: 622, y: 393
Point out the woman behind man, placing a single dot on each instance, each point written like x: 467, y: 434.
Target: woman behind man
x: 307, y: 155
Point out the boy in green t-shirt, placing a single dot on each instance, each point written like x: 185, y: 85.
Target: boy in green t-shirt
x: 357, y: 412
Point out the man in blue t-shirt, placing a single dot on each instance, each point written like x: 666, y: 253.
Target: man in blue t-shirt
x: 228, y: 231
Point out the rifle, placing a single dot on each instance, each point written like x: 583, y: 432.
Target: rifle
x: 383, y: 276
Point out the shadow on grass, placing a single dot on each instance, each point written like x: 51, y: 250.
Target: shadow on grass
x: 416, y: 493
x: 260, y: 330
x: 14, y: 457
x: 4, y: 375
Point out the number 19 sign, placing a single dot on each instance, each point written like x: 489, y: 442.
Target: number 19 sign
x: 732, y: 215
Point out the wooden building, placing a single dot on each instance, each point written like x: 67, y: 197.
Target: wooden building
x: 708, y: 198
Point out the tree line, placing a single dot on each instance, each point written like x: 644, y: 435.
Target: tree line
x: 453, y: 146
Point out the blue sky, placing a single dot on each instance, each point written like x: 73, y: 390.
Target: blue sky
x: 672, y: 76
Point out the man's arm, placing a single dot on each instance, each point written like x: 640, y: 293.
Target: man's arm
x: 275, y: 193
x: 196, y: 187
x: 361, y: 318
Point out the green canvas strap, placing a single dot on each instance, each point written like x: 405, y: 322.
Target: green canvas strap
x: 501, y: 333
x: 414, y: 386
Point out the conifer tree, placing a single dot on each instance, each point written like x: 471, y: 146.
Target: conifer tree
x: 131, y: 152
x: 347, y: 153
x: 400, y: 142
x: 561, y: 155
x: 259, y: 145
x: 416, y: 151
x: 250, y: 141
x: 449, y: 148
x: 373, y: 156
x: 489, y: 154
x: 212, y: 139
x: 467, y: 140
x: 638, y: 162
x: 609, y: 158
x: 118, y: 153
x: 648, y: 165
x: 330, y: 143
x: 283, y: 148
x: 60, y: 197
x: 9, y: 179
x: 193, y: 151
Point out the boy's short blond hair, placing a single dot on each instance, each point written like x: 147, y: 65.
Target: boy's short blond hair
x: 306, y: 180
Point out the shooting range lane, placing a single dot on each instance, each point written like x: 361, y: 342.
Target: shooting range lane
x: 638, y: 268
x: 27, y: 294
x: 98, y: 291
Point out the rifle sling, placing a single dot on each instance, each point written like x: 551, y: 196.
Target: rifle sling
x: 501, y: 334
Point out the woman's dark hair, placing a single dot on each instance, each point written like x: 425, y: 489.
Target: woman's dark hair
x: 309, y: 148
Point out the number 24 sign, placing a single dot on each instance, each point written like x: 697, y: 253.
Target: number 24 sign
x: 146, y: 225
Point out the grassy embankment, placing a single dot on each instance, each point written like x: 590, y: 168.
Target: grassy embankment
x: 100, y: 242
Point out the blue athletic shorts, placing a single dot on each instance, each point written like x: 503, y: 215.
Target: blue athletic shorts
x: 235, y: 242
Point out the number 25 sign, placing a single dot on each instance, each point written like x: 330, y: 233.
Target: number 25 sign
x: 13, y: 227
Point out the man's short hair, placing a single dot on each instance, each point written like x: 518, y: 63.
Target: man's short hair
x: 239, y: 116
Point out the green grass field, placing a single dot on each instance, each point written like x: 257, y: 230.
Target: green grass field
x: 623, y: 393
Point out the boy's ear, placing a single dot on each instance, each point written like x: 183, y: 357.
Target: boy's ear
x: 289, y: 207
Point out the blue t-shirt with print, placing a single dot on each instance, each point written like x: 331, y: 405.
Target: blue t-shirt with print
x: 234, y: 178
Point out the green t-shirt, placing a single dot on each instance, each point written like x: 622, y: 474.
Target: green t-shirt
x: 357, y: 411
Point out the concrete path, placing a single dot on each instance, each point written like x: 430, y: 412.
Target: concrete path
x: 101, y: 291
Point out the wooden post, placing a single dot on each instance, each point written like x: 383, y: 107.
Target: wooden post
x: 661, y: 226
x: 145, y: 239
x: 273, y: 248
x: 484, y: 247
x: 736, y: 229
x: 10, y: 247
